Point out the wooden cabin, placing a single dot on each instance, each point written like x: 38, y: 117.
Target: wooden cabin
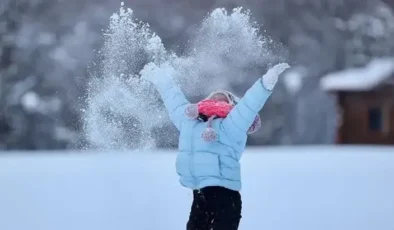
x: 365, y: 103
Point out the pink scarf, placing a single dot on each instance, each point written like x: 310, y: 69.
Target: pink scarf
x: 211, y: 108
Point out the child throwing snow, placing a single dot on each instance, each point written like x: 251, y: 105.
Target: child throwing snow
x: 213, y: 136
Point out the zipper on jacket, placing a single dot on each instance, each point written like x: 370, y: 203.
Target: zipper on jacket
x: 192, y: 156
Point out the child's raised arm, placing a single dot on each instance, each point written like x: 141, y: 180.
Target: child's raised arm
x: 241, y: 117
x: 172, y: 96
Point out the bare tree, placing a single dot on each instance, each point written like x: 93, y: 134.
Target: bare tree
x: 45, y: 46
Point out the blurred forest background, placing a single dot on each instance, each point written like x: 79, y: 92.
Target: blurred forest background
x: 46, y: 47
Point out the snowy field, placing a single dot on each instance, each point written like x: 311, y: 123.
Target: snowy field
x: 303, y: 188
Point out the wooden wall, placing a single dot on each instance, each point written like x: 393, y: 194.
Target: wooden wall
x: 367, y: 117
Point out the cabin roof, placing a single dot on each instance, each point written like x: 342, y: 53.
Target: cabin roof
x: 376, y: 72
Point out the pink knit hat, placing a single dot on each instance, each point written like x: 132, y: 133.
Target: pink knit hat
x: 209, y: 109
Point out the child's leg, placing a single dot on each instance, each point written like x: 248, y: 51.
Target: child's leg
x: 215, y: 208
x: 225, y: 220
x: 228, y: 209
x: 222, y: 209
x: 199, y: 215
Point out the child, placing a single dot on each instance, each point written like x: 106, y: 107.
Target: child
x: 213, y: 136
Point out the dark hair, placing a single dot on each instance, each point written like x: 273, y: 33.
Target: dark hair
x: 202, y: 117
x: 232, y: 98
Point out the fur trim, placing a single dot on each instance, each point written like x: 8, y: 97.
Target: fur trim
x: 255, y: 126
x: 191, y: 111
x: 233, y: 100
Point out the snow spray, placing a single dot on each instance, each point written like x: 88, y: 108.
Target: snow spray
x: 122, y: 110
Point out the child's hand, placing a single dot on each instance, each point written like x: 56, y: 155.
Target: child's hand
x: 149, y: 72
x: 271, y: 77
x: 155, y: 74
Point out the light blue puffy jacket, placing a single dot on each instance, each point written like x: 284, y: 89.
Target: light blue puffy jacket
x: 199, y: 163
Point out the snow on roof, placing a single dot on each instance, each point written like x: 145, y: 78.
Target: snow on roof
x: 359, y: 79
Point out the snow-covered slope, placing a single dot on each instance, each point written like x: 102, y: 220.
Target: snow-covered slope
x: 303, y: 188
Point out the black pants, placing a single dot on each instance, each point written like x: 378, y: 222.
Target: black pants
x: 215, y: 208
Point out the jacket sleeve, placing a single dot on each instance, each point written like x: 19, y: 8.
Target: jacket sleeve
x: 174, y: 100
x: 241, y: 117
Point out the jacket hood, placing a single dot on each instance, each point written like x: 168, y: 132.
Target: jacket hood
x: 231, y: 98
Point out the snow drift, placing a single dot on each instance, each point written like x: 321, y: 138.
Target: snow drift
x: 297, y: 188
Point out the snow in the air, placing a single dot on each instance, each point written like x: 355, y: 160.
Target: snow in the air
x: 224, y: 45
x: 30, y: 101
x: 284, y: 188
x: 293, y: 79
x: 363, y: 78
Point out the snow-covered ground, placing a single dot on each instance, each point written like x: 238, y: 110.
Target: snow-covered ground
x: 286, y: 188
